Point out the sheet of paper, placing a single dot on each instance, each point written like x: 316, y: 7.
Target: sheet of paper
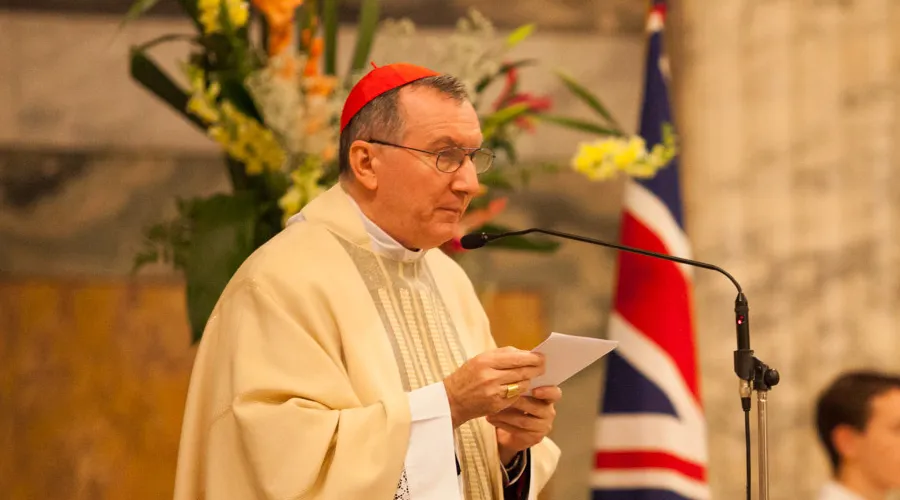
x: 566, y: 355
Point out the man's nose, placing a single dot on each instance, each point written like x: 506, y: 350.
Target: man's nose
x: 466, y: 179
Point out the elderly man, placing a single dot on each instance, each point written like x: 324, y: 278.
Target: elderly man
x: 858, y: 419
x: 350, y: 359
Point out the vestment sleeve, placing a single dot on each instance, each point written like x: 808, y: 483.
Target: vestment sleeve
x: 298, y: 427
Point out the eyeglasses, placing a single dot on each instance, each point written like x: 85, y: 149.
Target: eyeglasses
x: 450, y: 160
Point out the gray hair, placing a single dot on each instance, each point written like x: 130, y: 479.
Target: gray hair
x: 382, y: 115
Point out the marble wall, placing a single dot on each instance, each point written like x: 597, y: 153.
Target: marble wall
x: 788, y: 113
x: 92, y: 384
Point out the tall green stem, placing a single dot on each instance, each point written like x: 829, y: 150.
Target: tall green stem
x: 236, y: 173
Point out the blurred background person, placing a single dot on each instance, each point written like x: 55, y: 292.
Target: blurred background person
x: 858, y: 421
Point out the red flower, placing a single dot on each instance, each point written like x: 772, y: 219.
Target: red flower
x: 510, y: 97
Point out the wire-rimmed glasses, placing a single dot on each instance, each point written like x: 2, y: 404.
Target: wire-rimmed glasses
x: 450, y: 159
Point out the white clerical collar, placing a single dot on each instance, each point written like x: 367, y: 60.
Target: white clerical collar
x: 382, y: 243
x: 836, y: 491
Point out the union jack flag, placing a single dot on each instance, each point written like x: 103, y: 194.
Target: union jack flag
x: 650, y: 439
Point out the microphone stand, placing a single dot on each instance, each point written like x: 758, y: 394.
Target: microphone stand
x: 753, y: 374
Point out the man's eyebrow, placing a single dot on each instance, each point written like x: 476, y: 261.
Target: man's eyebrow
x: 443, y: 141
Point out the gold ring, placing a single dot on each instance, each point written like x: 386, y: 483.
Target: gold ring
x: 512, y: 390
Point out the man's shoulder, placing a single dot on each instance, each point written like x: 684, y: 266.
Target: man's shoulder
x: 300, y: 253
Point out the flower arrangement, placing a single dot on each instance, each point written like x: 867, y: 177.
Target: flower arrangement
x: 615, y: 151
x: 262, y: 82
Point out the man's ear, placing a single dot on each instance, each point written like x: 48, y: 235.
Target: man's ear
x: 361, y: 157
x: 846, y: 442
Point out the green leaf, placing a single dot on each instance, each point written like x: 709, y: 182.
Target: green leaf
x: 233, y: 90
x: 165, y: 241
x: 368, y: 23
x: 507, y: 114
x: 519, y: 35
x: 330, y: 24
x: 590, y: 99
x: 263, y: 31
x: 148, y: 74
x: 143, y: 258
x: 519, y: 243
x: 222, y: 237
x: 497, y: 119
x: 581, y: 125
x: 237, y: 172
x: 504, y: 69
x: 303, y: 19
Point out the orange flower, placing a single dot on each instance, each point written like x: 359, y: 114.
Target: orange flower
x: 320, y: 85
x: 280, y: 19
x: 315, y: 54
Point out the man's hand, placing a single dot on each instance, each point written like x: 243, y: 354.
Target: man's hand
x: 478, y: 387
x: 526, y: 422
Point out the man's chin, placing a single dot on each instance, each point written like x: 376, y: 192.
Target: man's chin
x: 442, y: 234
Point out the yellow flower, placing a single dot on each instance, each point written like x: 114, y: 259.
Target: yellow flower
x: 253, y: 166
x: 630, y: 153
x: 290, y: 203
x: 244, y: 138
x: 304, y: 187
x: 203, y: 109
x: 211, y: 11
x: 603, y: 159
x: 595, y: 160
x: 202, y: 102
x: 238, y: 12
x: 218, y: 134
x: 247, y: 141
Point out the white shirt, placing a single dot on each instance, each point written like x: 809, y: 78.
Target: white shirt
x: 836, y: 491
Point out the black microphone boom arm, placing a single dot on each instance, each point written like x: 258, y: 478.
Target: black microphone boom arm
x: 753, y: 373
x: 743, y: 357
x: 484, y: 238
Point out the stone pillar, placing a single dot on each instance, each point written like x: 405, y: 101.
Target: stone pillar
x: 788, y: 114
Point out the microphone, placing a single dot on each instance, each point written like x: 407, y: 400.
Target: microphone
x: 753, y: 373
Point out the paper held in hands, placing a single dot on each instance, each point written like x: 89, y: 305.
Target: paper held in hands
x: 566, y: 355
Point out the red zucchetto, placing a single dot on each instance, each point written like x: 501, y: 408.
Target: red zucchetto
x: 378, y: 81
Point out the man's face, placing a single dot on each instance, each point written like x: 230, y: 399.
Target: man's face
x: 418, y: 204
x: 878, y: 447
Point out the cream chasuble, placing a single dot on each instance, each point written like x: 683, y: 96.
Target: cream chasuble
x: 301, y: 382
